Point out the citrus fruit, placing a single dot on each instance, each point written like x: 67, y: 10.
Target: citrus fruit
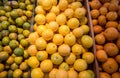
x: 3, y: 74
x: 50, y: 17
x: 1, y: 67
x: 61, y: 74
x: 13, y: 36
x: 87, y: 41
x: 26, y: 33
x: 37, y: 73
x: 26, y: 25
x: 42, y: 55
x: 55, y: 10
x: 46, y: 4
x: 32, y: 37
x: 75, y: 5
x: 104, y: 75
x: 4, y: 56
x: 39, y: 10
x: 24, y: 42
x: 40, y: 43
x: 56, y: 58
x: 85, y: 28
x: 14, y: 14
x: 64, y: 66
x: 70, y: 39
x: 46, y: 65
x: 18, y: 60
x: 14, y: 66
x: 51, y: 48
x: 4, y: 33
x: 22, y: 5
x: 88, y: 57
x: 72, y: 73
x: 54, y: 2
x: 21, y: 36
x: 29, y: 7
x: 69, y: 13
x: 23, y: 66
x: 64, y: 50
x: 26, y: 55
x: 28, y: 14
x: 53, y: 26
x: 20, y: 30
x: 70, y: 59
x: 5, y: 40
x: 40, y: 19
x: 33, y: 62
x: 19, y: 21
x: 47, y: 34
x: 18, y: 51
x: 91, y: 73
x: 84, y: 74
x: 80, y: 65
x: 73, y: 23
x: 32, y: 50
x: 64, y: 30
x: 17, y: 73
x: 78, y: 32
x: 10, y: 73
x: 61, y: 19
x: 63, y: 4
x: 53, y: 73
x: 10, y: 60
x: 12, y: 28
x: 40, y: 29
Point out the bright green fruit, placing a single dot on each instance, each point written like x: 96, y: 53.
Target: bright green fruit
x: 18, y: 51
x: 13, y: 44
x: 26, y: 25
x: 19, y: 21
x: 12, y: 28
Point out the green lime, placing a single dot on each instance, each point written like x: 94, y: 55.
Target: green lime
x: 5, y: 33
x: 13, y: 44
x: 26, y: 33
x: 5, y: 40
x: 18, y: 51
x: 7, y: 8
x: 26, y: 25
x: 19, y: 21
x: 21, y: 36
x: 5, y: 24
x: 2, y: 12
x: 12, y: 28
x: 24, y: 42
x: 13, y: 36
x: 22, y: 5
x: 20, y: 30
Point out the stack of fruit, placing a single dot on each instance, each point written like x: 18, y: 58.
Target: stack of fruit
x: 15, y: 18
x: 60, y: 43
x: 105, y: 18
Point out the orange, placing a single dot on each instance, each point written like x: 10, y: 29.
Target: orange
x: 47, y: 34
x: 39, y: 10
x: 46, y: 4
x: 37, y: 73
x: 84, y: 74
x: 42, y: 55
x: 78, y: 32
x: 70, y: 39
x: 77, y: 49
x: 53, y: 25
x: 55, y: 10
x: 64, y: 50
x: 46, y: 65
x: 33, y: 62
x: 80, y: 65
x: 69, y: 13
x: 76, y: 5
x: 73, y: 23
x: 61, y: 19
x: 64, y: 66
x: 40, y: 29
x: 70, y: 59
x: 51, y: 48
x: 32, y: 50
x: 57, y: 39
x: 17, y: 73
x: 40, y: 19
x: 64, y: 30
x: 88, y: 57
x: 40, y: 43
x: 50, y: 17
x: 54, y: 2
x: 53, y: 73
x: 63, y: 4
